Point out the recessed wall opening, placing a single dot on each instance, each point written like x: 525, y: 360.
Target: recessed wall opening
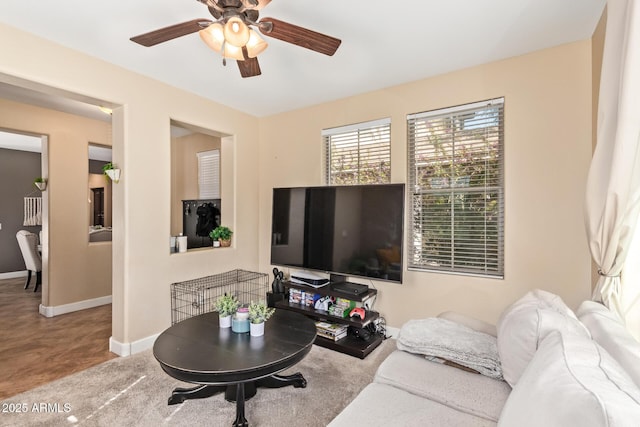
x: 198, y: 164
x: 99, y: 194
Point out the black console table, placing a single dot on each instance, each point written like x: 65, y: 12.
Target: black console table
x: 349, y: 345
x: 196, y: 350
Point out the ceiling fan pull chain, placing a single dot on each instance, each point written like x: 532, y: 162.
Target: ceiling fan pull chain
x: 224, y: 60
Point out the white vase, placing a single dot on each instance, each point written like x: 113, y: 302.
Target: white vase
x: 113, y: 174
x: 225, y: 322
x: 256, y: 329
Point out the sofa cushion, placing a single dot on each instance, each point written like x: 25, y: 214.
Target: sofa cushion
x: 608, y: 330
x: 385, y: 405
x: 524, y: 324
x: 572, y: 381
x: 449, y: 386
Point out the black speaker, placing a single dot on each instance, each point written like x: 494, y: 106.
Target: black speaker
x: 272, y: 298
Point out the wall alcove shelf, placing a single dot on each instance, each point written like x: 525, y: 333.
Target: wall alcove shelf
x: 349, y: 345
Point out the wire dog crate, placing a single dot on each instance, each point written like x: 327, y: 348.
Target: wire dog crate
x: 198, y: 296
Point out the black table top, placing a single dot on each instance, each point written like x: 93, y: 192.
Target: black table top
x: 196, y: 350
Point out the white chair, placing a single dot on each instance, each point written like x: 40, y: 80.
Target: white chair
x: 28, y: 243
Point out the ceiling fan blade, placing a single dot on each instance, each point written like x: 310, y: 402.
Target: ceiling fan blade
x: 169, y: 33
x: 299, y: 36
x: 249, y: 67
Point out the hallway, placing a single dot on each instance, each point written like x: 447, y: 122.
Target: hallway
x: 35, y: 350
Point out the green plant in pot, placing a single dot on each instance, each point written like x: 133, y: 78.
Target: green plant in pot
x: 226, y: 305
x: 111, y: 171
x: 222, y: 234
x: 258, y: 314
x: 41, y: 183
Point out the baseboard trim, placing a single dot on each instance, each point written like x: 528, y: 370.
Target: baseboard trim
x: 392, y: 332
x: 51, y: 311
x: 121, y: 349
x: 127, y: 349
x: 13, y: 275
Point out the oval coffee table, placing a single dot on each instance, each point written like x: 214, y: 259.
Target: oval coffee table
x: 198, y: 351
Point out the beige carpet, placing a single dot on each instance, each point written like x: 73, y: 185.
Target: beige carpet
x: 133, y: 391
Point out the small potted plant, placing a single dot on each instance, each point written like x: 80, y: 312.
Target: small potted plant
x: 221, y: 234
x: 111, y: 171
x: 226, y: 306
x: 41, y: 183
x: 258, y: 314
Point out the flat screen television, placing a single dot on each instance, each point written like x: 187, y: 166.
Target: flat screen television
x: 352, y: 230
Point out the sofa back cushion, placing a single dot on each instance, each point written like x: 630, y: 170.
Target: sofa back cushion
x: 607, y: 329
x: 524, y: 324
x: 572, y: 381
x: 470, y: 322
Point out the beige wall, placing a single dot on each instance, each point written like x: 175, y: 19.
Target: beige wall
x: 547, y: 153
x: 548, y: 149
x: 184, y: 172
x: 74, y: 270
x: 143, y: 269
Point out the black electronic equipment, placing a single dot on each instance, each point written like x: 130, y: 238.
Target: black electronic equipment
x: 348, y: 230
x: 360, y: 333
x: 350, y: 288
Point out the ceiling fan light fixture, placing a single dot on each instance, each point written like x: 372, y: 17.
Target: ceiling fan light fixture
x: 255, y: 45
x: 233, y: 52
x: 236, y: 32
x: 213, y: 36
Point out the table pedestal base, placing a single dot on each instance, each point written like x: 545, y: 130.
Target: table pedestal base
x: 238, y: 393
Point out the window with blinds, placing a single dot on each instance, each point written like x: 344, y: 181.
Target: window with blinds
x: 209, y: 174
x: 358, y: 154
x: 456, y: 168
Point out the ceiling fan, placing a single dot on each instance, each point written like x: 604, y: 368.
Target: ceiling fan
x: 231, y: 33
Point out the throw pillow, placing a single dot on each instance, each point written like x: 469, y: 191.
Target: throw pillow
x: 572, y: 381
x: 524, y: 324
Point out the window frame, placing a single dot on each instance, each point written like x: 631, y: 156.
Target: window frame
x: 209, y: 166
x: 363, y: 132
x: 470, y: 253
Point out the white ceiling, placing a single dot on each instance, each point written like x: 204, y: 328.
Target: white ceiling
x: 384, y: 43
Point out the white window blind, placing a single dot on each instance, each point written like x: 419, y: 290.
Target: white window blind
x: 209, y: 174
x: 456, y: 167
x: 359, y: 153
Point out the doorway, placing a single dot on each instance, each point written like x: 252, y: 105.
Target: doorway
x: 98, y: 206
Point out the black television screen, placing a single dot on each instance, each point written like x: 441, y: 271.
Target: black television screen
x: 353, y: 230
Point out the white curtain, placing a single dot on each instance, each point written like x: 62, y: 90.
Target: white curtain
x: 613, y: 185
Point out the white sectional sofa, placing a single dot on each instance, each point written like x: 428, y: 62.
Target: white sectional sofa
x: 560, y: 370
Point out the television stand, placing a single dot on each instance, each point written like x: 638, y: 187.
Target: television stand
x: 348, y: 345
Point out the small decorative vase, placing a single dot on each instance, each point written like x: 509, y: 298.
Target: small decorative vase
x: 240, y: 321
x: 257, y: 329
x: 225, y: 243
x: 216, y: 243
x: 113, y: 174
x: 225, y: 322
